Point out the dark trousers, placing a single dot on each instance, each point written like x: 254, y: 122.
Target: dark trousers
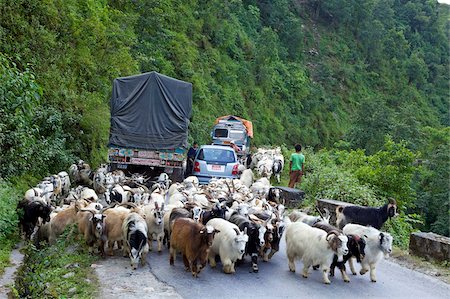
x: 294, y: 177
x: 189, y: 167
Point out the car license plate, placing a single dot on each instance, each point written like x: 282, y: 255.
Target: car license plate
x: 218, y: 168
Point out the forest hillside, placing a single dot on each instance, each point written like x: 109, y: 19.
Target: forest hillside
x: 364, y: 83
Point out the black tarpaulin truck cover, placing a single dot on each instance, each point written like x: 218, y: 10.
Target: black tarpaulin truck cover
x: 150, y: 111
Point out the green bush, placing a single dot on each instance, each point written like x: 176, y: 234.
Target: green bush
x: 401, y: 228
x: 325, y: 179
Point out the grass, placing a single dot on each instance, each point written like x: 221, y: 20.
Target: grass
x: 59, y: 271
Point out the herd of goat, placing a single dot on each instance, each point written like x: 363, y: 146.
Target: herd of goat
x: 227, y: 218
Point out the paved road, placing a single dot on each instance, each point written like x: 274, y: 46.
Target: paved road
x: 275, y: 281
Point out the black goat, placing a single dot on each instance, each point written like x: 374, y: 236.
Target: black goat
x: 367, y: 216
x: 32, y: 211
x: 217, y: 211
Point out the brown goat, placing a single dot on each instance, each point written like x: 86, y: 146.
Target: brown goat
x: 113, y: 226
x: 91, y: 225
x: 63, y: 219
x: 193, y: 240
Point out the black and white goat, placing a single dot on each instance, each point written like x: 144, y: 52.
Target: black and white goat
x: 379, y: 244
x: 255, y: 233
x: 134, y: 233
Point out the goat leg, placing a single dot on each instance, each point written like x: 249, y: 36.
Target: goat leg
x: 305, y: 270
x: 212, y: 260
x: 364, y: 269
x: 332, y: 269
x: 272, y: 252
x: 325, y: 270
x: 291, y: 264
x: 344, y: 273
x: 352, y: 267
x: 172, y: 254
x: 255, y: 262
x: 150, y: 242
x: 373, y: 277
x: 160, y: 241
x: 188, y: 265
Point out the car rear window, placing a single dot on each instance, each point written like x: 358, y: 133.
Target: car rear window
x: 216, y: 155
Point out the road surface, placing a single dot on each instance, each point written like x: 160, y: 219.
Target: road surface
x: 160, y: 280
x: 274, y: 280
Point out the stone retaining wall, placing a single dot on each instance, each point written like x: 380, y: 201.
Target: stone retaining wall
x: 331, y: 205
x: 430, y: 246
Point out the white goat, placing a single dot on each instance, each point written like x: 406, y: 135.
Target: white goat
x: 47, y: 191
x: 229, y: 243
x: 247, y: 177
x: 65, y: 180
x: 154, y: 217
x: 314, y: 247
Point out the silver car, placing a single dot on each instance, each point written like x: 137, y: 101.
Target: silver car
x: 215, y: 161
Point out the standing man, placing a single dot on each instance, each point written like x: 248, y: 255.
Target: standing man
x: 190, y: 158
x: 235, y: 147
x: 296, y: 166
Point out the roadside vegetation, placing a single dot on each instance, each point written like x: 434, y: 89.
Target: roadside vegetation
x: 8, y: 222
x: 59, y: 271
x: 352, y: 176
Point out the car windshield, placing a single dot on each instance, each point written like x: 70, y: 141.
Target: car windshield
x: 216, y: 155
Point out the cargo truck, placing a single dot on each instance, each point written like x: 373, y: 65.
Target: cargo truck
x: 150, y: 116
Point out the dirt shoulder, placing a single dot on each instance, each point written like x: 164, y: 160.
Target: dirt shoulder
x: 118, y: 280
x: 433, y: 269
x: 8, y: 277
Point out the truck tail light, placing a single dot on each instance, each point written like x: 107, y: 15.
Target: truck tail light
x: 197, y: 166
x: 235, y: 170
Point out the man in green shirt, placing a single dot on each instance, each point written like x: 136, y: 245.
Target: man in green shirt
x: 296, y: 166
